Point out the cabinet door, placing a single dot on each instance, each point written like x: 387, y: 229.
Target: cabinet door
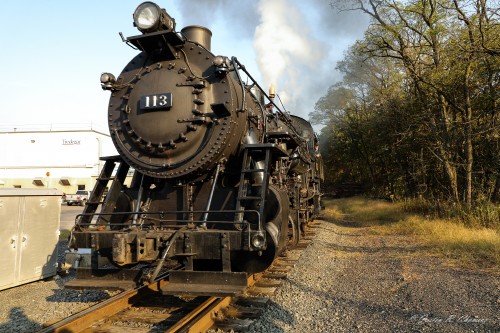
x: 39, y: 237
x: 9, y: 240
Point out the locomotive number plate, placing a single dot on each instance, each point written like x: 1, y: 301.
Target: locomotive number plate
x: 156, y: 102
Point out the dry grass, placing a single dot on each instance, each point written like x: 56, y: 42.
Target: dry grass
x: 471, y: 247
x: 365, y: 212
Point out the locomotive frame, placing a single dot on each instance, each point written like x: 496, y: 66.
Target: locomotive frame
x: 223, y: 183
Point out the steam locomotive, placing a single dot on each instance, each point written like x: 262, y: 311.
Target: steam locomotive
x: 223, y: 180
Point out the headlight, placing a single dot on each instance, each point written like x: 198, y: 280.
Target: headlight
x: 147, y: 16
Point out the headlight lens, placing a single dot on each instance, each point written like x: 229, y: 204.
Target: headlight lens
x: 147, y: 16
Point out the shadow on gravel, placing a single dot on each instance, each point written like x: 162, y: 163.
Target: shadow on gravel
x: 374, y: 249
x: 18, y: 322
x: 356, y: 224
x: 273, y: 313
x: 367, y: 316
x: 82, y: 296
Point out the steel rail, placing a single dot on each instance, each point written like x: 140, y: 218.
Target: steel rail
x: 198, y: 320
x: 202, y: 318
x: 85, y: 318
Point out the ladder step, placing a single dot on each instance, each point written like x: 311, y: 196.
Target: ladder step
x: 108, y: 179
x: 250, y: 198
x: 94, y: 202
x: 253, y: 170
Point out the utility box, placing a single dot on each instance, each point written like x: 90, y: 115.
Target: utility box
x: 29, y: 233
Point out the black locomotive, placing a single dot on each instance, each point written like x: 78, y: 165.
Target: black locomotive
x: 223, y: 180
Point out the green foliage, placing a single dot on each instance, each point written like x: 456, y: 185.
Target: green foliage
x: 416, y: 113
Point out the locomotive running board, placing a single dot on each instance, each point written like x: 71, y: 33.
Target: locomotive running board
x: 205, y: 283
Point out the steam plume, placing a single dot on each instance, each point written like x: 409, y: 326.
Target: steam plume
x: 282, y: 42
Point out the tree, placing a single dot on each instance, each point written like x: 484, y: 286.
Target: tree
x: 432, y: 65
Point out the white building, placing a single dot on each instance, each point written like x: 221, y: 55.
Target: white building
x: 65, y: 159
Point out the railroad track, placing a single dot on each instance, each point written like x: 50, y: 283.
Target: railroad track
x: 145, y: 309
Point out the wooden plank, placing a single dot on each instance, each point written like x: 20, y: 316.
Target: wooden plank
x: 269, y: 291
x: 234, y: 324
x: 142, y: 317
x: 283, y: 265
x: 117, y: 329
x: 268, y: 283
x: 247, y: 312
x: 270, y: 275
x: 279, y: 270
x: 256, y: 302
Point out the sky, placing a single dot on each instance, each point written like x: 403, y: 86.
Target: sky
x: 54, y: 51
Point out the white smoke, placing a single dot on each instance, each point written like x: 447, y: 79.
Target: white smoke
x: 285, y: 47
x: 297, y: 43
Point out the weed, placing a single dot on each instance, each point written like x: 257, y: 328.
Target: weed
x: 64, y: 235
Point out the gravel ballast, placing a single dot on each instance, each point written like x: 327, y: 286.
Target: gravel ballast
x: 350, y: 281
x: 27, y: 307
x: 345, y: 281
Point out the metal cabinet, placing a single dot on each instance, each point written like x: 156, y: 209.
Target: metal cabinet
x: 29, y: 234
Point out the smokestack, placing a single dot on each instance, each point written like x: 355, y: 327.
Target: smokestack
x: 198, y: 34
